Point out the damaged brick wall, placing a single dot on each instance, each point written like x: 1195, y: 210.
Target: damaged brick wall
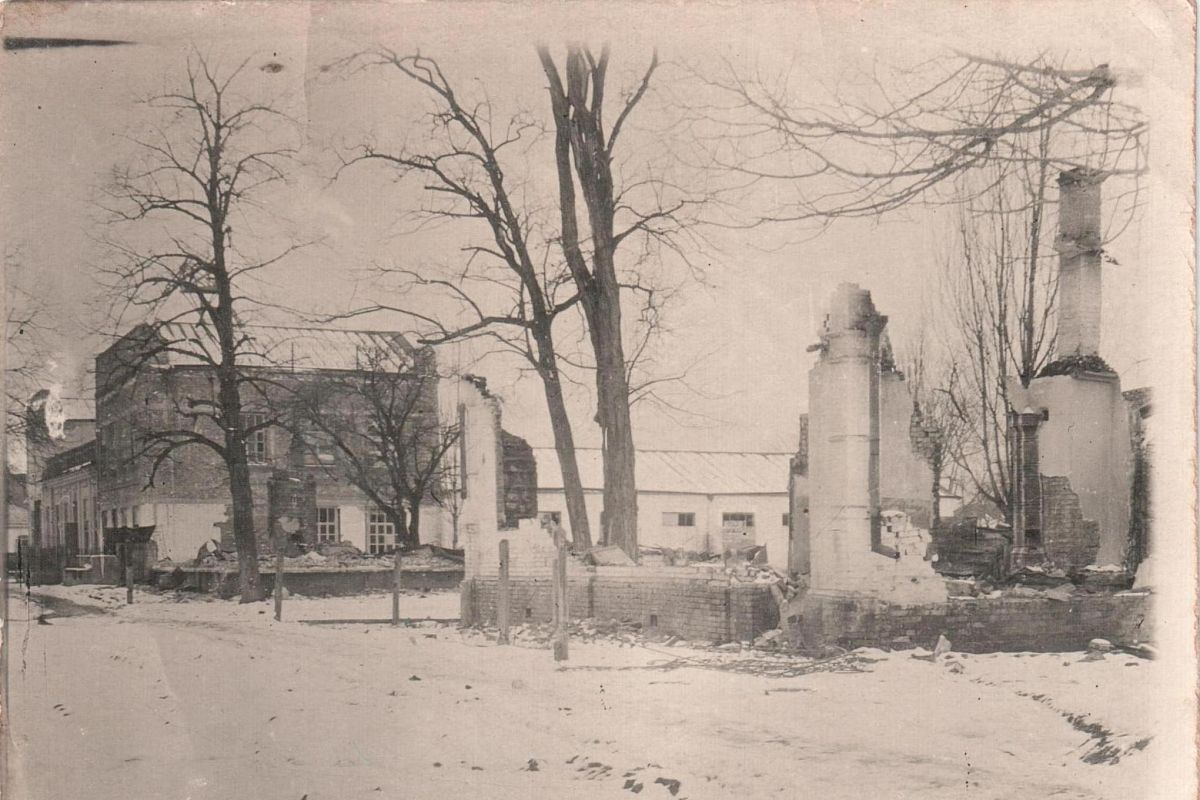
x: 975, y: 625
x: 1069, y: 540
x: 518, y: 496
x: 675, y: 601
x: 291, y: 495
x: 1139, y: 404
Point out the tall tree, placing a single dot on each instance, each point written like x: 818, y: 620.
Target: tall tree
x: 511, y: 288
x: 198, y: 176
x: 379, y: 429
x: 583, y: 153
x: 462, y: 166
x: 1001, y: 287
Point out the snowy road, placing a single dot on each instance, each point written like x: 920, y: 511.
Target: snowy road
x: 208, y: 699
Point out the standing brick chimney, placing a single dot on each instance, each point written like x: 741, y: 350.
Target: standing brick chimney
x: 1079, y: 249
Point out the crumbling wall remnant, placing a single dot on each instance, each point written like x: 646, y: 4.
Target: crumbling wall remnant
x: 518, y: 494
x: 847, y: 433
x: 1069, y: 539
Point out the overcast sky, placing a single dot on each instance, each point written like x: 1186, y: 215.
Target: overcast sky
x: 65, y: 113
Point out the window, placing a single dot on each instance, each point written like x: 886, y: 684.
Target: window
x: 678, y: 519
x: 256, y: 441
x: 329, y: 524
x: 319, y: 449
x: 381, y: 533
x: 786, y: 521
x: 737, y: 519
x: 554, y: 517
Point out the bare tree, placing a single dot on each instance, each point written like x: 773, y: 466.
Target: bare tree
x: 913, y: 133
x: 27, y: 327
x: 462, y: 167
x: 985, y: 135
x: 937, y: 429
x: 1001, y: 300
x: 378, y: 427
x: 585, y: 154
x: 511, y: 288
x: 196, y: 180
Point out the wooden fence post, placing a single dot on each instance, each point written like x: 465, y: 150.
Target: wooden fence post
x: 561, y: 609
x: 128, y: 560
x: 278, y: 579
x: 503, y: 596
x: 397, y: 582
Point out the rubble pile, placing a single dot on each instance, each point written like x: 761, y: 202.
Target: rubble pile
x: 331, y: 556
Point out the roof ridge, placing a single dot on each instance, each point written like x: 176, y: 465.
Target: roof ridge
x: 688, y: 450
x: 312, y: 328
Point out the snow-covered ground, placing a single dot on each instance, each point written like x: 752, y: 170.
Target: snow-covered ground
x: 197, y: 698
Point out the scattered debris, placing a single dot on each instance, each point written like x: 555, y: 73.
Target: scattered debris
x: 608, y: 556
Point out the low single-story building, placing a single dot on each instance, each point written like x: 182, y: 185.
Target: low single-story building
x: 693, y: 500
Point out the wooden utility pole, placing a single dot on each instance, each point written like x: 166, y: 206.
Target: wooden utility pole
x: 502, y: 595
x: 397, y: 582
x: 561, y: 610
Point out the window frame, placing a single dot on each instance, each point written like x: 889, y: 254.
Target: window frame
x: 256, y: 440
x: 323, y: 525
x: 378, y: 527
x: 744, y: 517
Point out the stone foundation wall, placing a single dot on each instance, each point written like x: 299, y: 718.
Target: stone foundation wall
x: 973, y: 625
x: 682, y: 601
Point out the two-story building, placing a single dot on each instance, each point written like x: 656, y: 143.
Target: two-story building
x: 154, y: 379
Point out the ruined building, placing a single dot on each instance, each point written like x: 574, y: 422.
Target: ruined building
x: 859, y: 432
x: 905, y: 480
x: 1073, y: 464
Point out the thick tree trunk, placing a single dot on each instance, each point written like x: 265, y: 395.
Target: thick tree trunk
x: 237, y: 464
x: 243, y: 524
x: 400, y: 523
x: 620, y: 488
x: 564, y: 446
x: 580, y: 145
x: 412, y: 537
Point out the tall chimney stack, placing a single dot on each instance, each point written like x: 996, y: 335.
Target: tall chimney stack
x: 1079, y: 249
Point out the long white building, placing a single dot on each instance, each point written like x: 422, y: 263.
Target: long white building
x: 701, y: 501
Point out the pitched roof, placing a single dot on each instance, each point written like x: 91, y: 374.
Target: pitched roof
x: 678, y: 471
x: 70, y: 460
x: 292, y: 348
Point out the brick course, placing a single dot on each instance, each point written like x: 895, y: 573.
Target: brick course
x: 974, y: 625
x: 680, y: 601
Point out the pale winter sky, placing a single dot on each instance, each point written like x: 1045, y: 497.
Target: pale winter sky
x: 65, y: 113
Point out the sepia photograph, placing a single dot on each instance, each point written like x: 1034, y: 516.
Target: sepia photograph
x: 532, y: 399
